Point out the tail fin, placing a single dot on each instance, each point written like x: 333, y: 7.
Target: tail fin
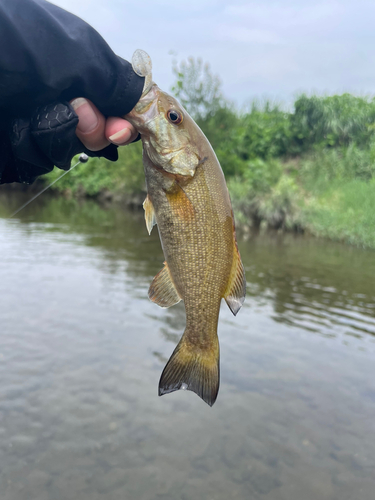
x: 194, y: 369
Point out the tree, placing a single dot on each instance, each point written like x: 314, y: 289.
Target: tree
x: 198, y: 90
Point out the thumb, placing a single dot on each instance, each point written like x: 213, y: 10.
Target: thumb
x: 91, y: 125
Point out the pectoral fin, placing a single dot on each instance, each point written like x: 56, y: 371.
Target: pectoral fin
x: 236, y: 288
x: 149, y: 214
x: 180, y: 204
x: 162, y: 290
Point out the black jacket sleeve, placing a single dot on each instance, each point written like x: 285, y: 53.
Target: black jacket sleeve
x: 49, y: 55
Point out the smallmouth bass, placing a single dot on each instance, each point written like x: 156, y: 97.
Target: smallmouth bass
x: 189, y: 201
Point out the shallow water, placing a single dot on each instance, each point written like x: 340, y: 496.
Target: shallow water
x: 82, y: 349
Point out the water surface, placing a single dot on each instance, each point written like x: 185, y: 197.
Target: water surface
x: 82, y: 349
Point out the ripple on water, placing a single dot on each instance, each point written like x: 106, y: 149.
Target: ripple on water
x: 82, y: 350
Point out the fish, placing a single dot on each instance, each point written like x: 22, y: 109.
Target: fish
x: 188, y: 200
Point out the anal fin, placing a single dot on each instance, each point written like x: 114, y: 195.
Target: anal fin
x: 162, y: 290
x: 236, y: 288
x: 149, y: 214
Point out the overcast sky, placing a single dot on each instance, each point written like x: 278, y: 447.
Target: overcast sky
x: 258, y: 48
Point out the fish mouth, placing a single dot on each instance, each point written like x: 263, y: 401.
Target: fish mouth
x: 145, y: 111
x: 141, y: 121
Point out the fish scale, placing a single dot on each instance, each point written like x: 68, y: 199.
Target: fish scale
x: 189, y: 201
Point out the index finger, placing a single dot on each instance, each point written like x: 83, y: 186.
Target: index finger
x: 120, y: 131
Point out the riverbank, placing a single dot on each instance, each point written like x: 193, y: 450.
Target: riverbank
x: 337, y: 209
x: 307, y: 170
x: 287, y: 196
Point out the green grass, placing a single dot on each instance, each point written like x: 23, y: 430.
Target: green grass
x: 311, y: 169
x: 124, y: 177
x: 340, y: 209
x: 344, y: 210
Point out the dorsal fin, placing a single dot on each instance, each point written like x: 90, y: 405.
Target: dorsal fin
x: 236, y: 288
x: 162, y: 290
x: 149, y: 214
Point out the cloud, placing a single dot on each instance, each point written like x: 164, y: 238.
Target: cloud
x: 242, y: 34
x: 270, y: 47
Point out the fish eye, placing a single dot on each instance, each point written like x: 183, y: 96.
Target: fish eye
x: 175, y: 116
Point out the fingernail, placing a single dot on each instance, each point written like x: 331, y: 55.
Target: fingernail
x: 87, y: 116
x: 121, y: 136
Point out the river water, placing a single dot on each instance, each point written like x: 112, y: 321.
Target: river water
x: 82, y: 349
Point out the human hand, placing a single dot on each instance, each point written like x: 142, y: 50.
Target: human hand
x: 56, y: 132
x: 95, y: 131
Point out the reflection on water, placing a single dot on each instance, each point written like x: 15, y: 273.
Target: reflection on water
x: 319, y: 286
x: 82, y: 349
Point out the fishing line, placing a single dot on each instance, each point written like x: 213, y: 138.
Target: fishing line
x: 82, y: 159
